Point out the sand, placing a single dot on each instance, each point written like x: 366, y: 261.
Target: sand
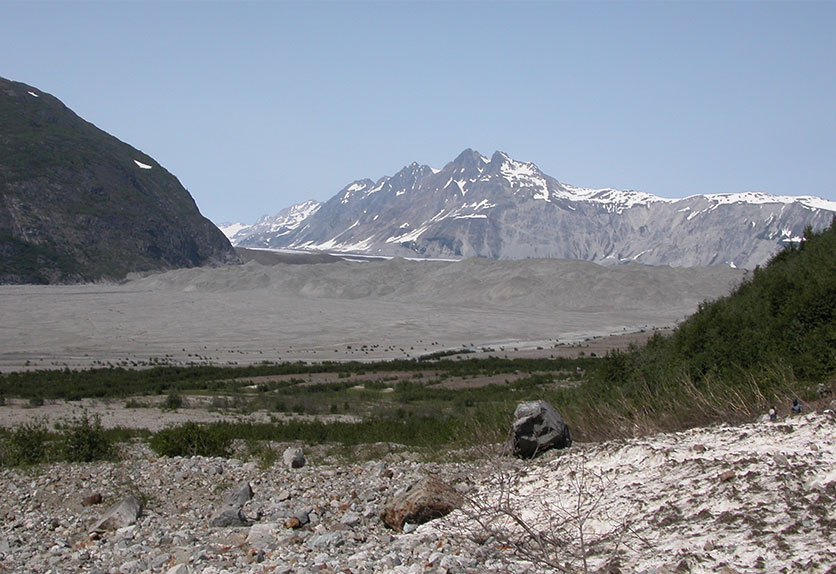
x: 342, y: 311
x: 726, y: 499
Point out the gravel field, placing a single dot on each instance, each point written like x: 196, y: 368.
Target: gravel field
x: 343, y: 311
x: 754, y: 498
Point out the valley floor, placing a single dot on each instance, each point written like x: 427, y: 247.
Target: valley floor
x: 343, y: 311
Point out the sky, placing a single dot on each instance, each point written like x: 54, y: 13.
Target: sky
x: 256, y: 106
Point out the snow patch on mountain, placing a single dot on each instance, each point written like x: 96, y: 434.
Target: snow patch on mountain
x: 613, y: 200
x: 760, y: 198
x: 230, y: 229
x: 284, y: 222
x: 524, y: 175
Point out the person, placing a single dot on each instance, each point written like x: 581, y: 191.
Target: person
x: 796, y: 407
x: 773, y: 414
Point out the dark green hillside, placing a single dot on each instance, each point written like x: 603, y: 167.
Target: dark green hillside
x: 785, y: 314
x: 76, y: 206
x: 773, y: 338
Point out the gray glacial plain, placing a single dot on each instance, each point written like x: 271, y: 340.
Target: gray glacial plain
x: 343, y: 311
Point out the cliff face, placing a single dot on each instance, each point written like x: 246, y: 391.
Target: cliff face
x: 77, y: 204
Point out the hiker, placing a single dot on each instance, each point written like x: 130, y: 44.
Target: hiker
x: 773, y: 414
x: 796, y: 407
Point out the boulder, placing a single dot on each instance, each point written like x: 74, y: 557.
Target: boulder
x: 92, y: 499
x: 232, y: 510
x: 123, y: 513
x: 294, y: 457
x: 424, y: 500
x: 263, y: 536
x: 538, y: 427
x: 298, y: 519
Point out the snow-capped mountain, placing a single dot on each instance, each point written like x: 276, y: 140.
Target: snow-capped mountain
x: 506, y: 209
x: 230, y: 229
x: 276, y: 226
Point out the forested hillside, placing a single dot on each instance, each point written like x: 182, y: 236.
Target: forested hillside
x: 772, y: 339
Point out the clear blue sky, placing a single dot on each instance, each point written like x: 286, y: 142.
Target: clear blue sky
x: 255, y: 106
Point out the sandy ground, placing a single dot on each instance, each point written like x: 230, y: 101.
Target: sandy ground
x: 113, y: 413
x: 724, y: 499
x: 342, y: 311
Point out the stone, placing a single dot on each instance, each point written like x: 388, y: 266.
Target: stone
x: 299, y: 519
x: 92, y: 499
x: 293, y: 457
x: 132, y: 567
x: 123, y: 513
x: 538, y: 427
x: 292, y: 522
x: 350, y: 519
x: 231, y: 513
x: 179, y: 569
x: 325, y: 540
x: 424, y: 500
x: 239, y: 496
x: 263, y: 535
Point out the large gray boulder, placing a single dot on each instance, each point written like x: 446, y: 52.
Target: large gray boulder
x: 538, y: 427
x: 232, y: 511
x: 293, y: 457
x: 123, y: 513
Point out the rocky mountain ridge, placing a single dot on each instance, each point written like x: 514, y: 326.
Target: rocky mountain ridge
x: 78, y: 205
x: 501, y: 208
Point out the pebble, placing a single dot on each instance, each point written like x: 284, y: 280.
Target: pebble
x: 313, y: 518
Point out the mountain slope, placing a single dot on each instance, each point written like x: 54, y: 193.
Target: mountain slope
x: 77, y: 204
x: 280, y: 224
x: 772, y: 339
x: 501, y: 208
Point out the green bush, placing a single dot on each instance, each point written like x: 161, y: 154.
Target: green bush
x: 84, y: 440
x: 192, y: 439
x: 27, y: 445
x: 173, y: 401
x: 783, y: 317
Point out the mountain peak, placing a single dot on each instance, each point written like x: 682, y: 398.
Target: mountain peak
x: 469, y: 159
x: 500, y: 157
x: 507, y: 209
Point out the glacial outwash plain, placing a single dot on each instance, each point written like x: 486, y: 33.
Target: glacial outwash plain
x: 239, y: 315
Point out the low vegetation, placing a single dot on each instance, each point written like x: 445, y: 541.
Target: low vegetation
x: 771, y: 340
x: 81, y: 439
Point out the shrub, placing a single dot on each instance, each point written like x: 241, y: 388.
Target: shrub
x: 262, y: 452
x: 173, y: 401
x: 192, y: 439
x: 84, y: 440
x: 28, y: 444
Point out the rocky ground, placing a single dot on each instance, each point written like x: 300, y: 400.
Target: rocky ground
x: 754, y: 498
